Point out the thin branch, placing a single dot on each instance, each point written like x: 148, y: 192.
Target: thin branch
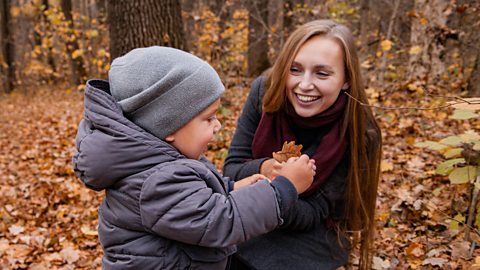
x: 434, y: 207
x: 473, y: 206
x: 415, y: 108
x: 259, y: 19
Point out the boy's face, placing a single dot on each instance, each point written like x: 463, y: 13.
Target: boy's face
x: 192, y: 139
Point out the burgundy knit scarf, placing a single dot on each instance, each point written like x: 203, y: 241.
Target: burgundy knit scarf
x: 273, y: 130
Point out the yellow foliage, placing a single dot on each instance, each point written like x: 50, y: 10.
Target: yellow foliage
x: 92, y: 33
x: 415, y: 50
x: 55, y: 19
x: 412, y: 87
x: 45, y: 62
x: 386, y: 45
x: 15, y: 11
x: 423, y: 21
x: 77, y: 53
x: 102, y: 53
x: 223, y: 48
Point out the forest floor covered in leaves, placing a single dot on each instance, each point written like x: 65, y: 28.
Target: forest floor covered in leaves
x: 49, y: 218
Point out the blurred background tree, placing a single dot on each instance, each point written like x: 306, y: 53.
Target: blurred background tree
x: 409, y: 43
x: 7, y: 65
x: 143, y: 23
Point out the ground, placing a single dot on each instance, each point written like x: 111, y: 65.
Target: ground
x: 49, y: 218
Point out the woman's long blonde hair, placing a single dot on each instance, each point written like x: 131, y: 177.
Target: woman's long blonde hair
x: 360, y: 128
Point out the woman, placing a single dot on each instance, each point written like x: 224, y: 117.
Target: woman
x: 305, y: 97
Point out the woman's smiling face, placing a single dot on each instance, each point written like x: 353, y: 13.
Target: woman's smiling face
x: 316, y: 76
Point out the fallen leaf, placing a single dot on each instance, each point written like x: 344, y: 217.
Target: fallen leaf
x: 70, y: 255
x: 414, y: 249
x: 289, y: 150
x: 434, y: 261
x: 379, y: 263
x: 386, y: 166
x: 54, y: 258
x: 460, y: 249
x: 3, y: 246
x: 87, y: 231
x: 16, y: 230
x: 416, y: 163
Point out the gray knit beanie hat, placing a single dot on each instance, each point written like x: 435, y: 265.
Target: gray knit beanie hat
x: 161, y: 89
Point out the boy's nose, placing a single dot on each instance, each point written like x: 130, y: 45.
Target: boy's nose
x: 218, y: 126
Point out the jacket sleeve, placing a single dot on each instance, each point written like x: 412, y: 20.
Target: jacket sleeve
x: 327, y: 202
x: 177, y: 204
x: 239, y: 162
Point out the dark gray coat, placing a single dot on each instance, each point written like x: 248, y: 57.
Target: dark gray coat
x: 304, y: 241
x: 162, y: 210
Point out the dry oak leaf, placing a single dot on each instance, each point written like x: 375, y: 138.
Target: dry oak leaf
x: 289, y: 150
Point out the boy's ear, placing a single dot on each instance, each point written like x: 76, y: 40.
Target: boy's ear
x: 345, y: 86
x: 170, y: 138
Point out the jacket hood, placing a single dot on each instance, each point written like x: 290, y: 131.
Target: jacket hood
x: 110, y: 147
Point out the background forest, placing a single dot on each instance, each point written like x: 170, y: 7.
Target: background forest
x: 420, y: 60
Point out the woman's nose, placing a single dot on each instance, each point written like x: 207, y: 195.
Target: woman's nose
x: 306, y: 83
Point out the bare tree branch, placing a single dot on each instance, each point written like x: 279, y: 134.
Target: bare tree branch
x: 459, y: 101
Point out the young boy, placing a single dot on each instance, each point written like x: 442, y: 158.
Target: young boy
x: 166, y: 206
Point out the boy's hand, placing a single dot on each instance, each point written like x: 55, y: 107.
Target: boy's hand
x: 299, y: 171
x: 248, y: 181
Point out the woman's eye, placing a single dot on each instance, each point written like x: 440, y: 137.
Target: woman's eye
x: 294, y: 70
x: 322, y: 73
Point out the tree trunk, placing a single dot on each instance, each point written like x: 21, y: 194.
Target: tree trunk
x: 464, y: 46
x: 257, y: 54
x: 7, y: 48
x: 288, y: 6
x: 363, y: 25
x: 143, y: 23
x: 101, y: 7
x: 391, y: 23
x: 45, y: 31
x: 96, y: 9
x: 189, y: 9
x: 474, y: 80
x: 288, y: 16
x: 275, y: 22
x: 368, y: 28
x: 222, y: 10
x: 76, y: 61
x: 427, y: 36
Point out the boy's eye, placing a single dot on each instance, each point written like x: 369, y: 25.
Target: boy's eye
x: 212, y: 118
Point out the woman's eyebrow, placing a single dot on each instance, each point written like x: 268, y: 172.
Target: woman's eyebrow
x: 321, y: 66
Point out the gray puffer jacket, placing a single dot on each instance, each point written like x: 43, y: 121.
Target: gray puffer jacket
x: 162, y: 210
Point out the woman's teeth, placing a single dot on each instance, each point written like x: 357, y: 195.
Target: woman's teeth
x: 307, y: 98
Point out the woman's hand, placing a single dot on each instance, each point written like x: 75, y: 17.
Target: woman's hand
x: 270, y: 168
x: 248, y: 181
